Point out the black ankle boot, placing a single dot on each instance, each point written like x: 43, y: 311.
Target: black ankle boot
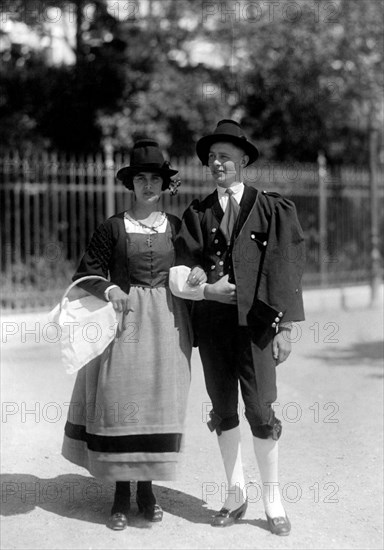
x: 146, y: 502
x: 121, y: 506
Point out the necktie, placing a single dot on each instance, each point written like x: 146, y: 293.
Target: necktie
x: 230, y: 215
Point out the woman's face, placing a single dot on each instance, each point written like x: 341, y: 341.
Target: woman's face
x: 147, y: 187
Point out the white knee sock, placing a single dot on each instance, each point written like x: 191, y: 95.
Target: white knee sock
x: 267, y: 456
x: 229, y: 443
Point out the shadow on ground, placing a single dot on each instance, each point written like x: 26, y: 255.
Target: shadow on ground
x: 87, y: 499
x: 363, y: 353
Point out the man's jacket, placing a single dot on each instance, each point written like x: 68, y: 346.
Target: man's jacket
x: 265, y: 259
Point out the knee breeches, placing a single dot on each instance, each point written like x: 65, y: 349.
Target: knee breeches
x: 230, y: 358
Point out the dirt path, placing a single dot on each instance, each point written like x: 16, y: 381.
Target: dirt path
x: 330, y: 402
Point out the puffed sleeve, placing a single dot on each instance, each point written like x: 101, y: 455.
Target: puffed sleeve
x: 189, y: 243
x: 278, y: 297
x: 95, y: 261
x: 283, y: 266
x: 179, y: 287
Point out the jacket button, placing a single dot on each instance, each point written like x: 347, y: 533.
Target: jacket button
x: 213, y: 230
x: 265, y: 243
x: 277, y: 320
x: 273, y: 325
x: 253, y: 237
x: 216, y: 241
x: 221, y: 273
x: 280, y: 314
x: 213, y: 266
x: 218, y: 253
x: 221, y: 262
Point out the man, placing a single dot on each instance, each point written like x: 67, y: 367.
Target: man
x: 251, y: 247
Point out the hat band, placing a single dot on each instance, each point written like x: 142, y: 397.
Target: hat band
x: 153, y: 165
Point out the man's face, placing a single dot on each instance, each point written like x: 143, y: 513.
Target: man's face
x: 225, y: 161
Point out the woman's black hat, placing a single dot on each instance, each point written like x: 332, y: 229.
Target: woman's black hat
x: 146, y: 157
x: 226, y: 130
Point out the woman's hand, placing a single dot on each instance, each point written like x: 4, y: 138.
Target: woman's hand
x: 120, y: 300
x: 197, y: 276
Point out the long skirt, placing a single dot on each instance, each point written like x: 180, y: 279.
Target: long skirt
x: 127, y: 411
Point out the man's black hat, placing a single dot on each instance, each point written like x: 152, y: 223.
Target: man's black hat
x: 226, y: 130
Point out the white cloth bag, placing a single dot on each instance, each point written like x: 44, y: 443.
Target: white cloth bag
x: 87, y: 326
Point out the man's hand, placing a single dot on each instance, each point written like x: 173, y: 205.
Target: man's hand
x: 119, y: 300
x: 197, y: 276
x: 281, y: 347
x: 221, y: 291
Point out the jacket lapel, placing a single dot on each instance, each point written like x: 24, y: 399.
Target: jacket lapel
x: 217, y: 211
x: 247, y: 201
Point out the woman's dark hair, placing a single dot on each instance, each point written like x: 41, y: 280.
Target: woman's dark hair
x: 128, y: 181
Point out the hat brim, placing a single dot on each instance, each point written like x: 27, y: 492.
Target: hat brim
x: 128, y: 171
x: 204, y: 144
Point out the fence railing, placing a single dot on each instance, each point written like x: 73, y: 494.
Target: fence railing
x: 50, y: 204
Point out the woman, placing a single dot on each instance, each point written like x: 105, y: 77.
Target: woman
x: 126, y: 417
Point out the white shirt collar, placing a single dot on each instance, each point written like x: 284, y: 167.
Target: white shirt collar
x: 237, y: 187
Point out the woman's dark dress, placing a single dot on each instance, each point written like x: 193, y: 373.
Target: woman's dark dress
x: 127, y: 411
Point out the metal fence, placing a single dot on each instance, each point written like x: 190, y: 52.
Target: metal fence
x: 50, y: 204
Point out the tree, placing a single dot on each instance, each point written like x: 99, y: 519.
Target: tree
x: 300, y: 76
x: 313, y: 80
x: 56, y: 105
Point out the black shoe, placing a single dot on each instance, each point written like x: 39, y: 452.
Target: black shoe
x: 146, y: 502
x: 117, y: 521
x: 279, y: 526
x: 121, y: 505
x: 152, y: 512
x: 225, y: 517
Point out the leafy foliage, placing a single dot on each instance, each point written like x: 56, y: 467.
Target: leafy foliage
x: 300, y: 79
